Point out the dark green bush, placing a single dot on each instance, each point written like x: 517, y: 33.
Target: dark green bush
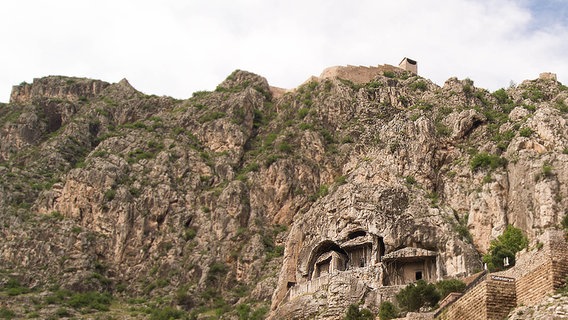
x: 526, y: 132
x: 561, y: 105
x: 419, y: 295
x: 565, y: 222
x: 410, y: 180
x: 62, y: 313
x: 6, y: 313
x: 91, y: 300
x: 419, y: 85
x: 533, y: 94
x: 505, y: 246
x: 501, y: 96
x: 547, y: 170
x: 285, y: 147
x: 189, y: 234
x: 211, y: 116
x: 167, y: 313
x: 110, y: 194
x: 303, y: 112
x: 485, y: 160
x: 243, y: 311
x: 13, y: 287
x: 216, y: 271
x: 353, y: 313
x: 451, y: 285
x: 388, y: 311
x: 259, y: 313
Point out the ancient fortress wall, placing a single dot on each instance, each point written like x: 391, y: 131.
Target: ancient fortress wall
x: 537, y: 273
x: 535, y: 285
x: 469, y: 305
x: 357, y: 74
x: 541, y: 270
x: 491, y: 299
x: 501, y: 298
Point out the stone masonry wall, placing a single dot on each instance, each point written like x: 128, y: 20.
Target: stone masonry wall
x: 537, y: 272
x: 491, y: 299
x: 541, y: 270
x: 535, y: 285
x: 559, y: 261
x: 501, y: 298
x: 470, y: 306
x: 356, y: 74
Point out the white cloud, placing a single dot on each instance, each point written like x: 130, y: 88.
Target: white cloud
x: 176, y: 47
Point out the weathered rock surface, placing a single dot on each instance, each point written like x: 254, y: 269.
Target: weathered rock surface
x: 553, y: 307
x: 221, y: 199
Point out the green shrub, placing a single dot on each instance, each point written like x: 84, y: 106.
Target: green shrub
x: 275, y: 252
x: 270, y: 160
x: 505, y: 246
x: 306, y: 126
x: 322, y: 192
x: 565, y: 222
x: 534, y: 94
x: 462, y: 230
x: 6, y: 313
x: 211, y: 116
x: 110, y: 194
x: 526, y: 132
x: 445, y: 287
x: 139, y: 154
x: 547, y: 170
x: 216, y: 271
x: 389, y: 74
x: 501, y: 96
x: 388, y: 311
x: 561, y: 105
x: 184, y: 299
x: 62, y: 313
x: 503, y: 139
x: 135, y: 192
x: 167, y: 313
x: 259, y: 313
x: 419, y: 85
x: 468, y: 89
x: 285, y: 147
x: 243, y: 311
x: 373, y: 85
x: 419, y: 295
x: 189, y: 234
x: 410, y: 180
x: 13, y: 287
x: 90, y: 300
x: 303, y: 112
x: 484, y: 160
x: 443, y: 130
x: 353, y: 313
x: 341, y: 180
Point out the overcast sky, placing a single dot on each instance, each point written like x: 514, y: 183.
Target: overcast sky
x: 176, y: 47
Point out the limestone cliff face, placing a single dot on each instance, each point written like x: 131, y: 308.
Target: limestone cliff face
x: 235, y: 196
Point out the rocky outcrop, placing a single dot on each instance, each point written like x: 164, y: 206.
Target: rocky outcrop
x: 235, y: 196
x: 56, y: 87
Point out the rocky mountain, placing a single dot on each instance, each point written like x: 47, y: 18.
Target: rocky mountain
x: 215, y: 206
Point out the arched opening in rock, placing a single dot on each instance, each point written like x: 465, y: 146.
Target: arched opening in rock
x: 325, y: 258
x: 356, y: 234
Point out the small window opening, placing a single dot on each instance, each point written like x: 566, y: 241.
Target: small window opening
x: 418, y: 275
